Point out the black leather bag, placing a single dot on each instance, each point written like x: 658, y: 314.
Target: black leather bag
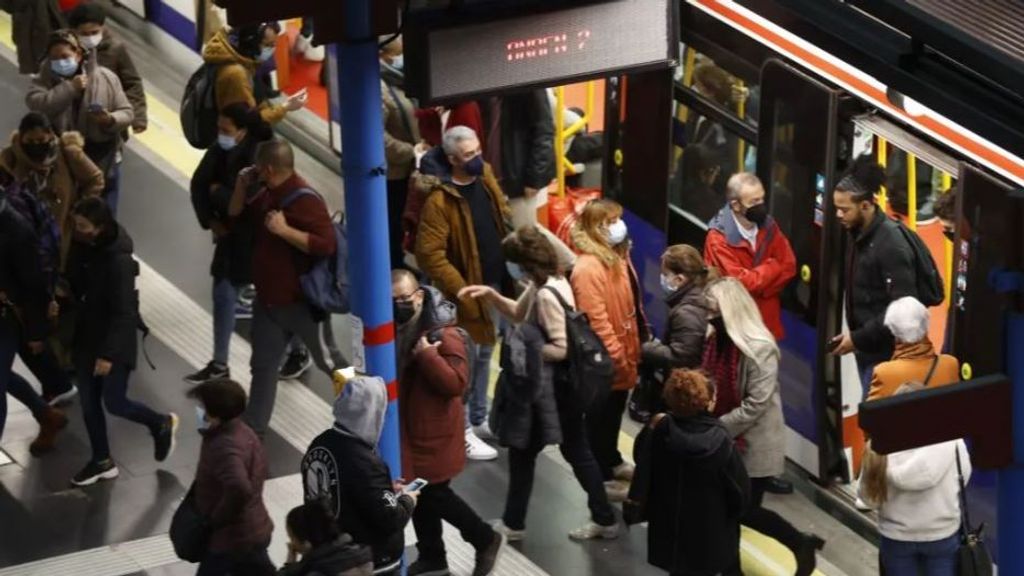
x: 190, y: 530
x: 973, y: 558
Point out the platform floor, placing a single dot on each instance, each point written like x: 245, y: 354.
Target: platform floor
x: 119, y: 528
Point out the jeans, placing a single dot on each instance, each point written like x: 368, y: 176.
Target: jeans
x: 23, y: 392
x: 575, y: 448
x: 271, y: 330
x: 438, y: 502
x: 46, y: 368
x: 112, y: 187
x: 477, y: 395
x: 112, y: 391
x: 937, y: 558
x: 8, y: 348
x: 225, y: 298
x: 397, y: 192
x: 768, y: 522
x: 235, y: 563
x: 604, y: 422
x: 866, y: 370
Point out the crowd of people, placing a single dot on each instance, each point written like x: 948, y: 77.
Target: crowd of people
x: 472, y: 270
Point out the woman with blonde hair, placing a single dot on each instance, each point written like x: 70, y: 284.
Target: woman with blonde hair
x: 743, y: 360
x: 606, y: 289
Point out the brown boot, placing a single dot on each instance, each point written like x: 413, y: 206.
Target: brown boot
x: 51, y: 422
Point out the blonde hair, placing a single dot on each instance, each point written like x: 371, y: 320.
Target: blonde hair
x: 874, y: 466
x: 594, y: 215
x: 742, y: 318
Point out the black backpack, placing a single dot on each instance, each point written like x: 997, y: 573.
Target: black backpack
x: 198, y: 110
x: 930, y: 291
x: 591, y: 369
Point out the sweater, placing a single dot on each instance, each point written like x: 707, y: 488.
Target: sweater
x: 542, y: 308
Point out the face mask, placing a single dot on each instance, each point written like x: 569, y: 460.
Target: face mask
x: 39, y: 152
x: 201, y: 422
x: 757, y: 214
x: 475, y: 167
x: 65, y: 67
x: 226, y: 142
x: 403, y: 311
x: 91, y: 42
x: 515, y: 271
x: 666, y: 284
x: 398, y: 62
x: 266, y: 53
x: 950, y: 235
x: 617, y: 232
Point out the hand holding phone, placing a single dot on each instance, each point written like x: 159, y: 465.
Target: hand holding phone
x: 96, y: 108
x: 834, y: 342
x: 414, y: 486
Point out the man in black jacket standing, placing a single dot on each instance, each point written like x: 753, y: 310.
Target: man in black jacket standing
x: 880, y: 268
x: 342, y: 467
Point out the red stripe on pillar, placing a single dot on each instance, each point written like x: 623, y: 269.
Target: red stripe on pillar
x: 380, y: 335
x: 392, y: 390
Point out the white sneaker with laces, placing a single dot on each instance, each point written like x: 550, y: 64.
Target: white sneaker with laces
x: 592, y: 531
x: 483, y: 432
x: 477, y: 449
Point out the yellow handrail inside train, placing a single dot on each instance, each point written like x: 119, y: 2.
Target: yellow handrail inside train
x: 562, y: 133
x: 947, y: 185
x: 911, y: 191
x: 883, y: 159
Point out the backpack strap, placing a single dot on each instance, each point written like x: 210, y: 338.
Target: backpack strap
x: 762, y: 248
x: 931, y: 371
x: 565, y: 305
x: 294, y: 195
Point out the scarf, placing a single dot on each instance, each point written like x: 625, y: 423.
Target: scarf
x: 721, y: 362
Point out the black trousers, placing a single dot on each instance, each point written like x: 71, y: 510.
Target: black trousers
x: 439, y: 502
x: 604, y: 422
x: 397, y: 192
x: 768, y: 522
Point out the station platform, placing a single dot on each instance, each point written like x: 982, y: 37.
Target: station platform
x: 119, y: 527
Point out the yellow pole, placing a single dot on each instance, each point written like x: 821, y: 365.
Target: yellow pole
x: 560, y: 140
x: 883, y: 159
x: 911, y: 191
x: 741, y: 152
x: 947, y: 184
x: 690, y: 60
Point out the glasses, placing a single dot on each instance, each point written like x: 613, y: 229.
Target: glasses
x: 404, y: 298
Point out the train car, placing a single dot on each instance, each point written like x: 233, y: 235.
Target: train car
x: 794, y: 90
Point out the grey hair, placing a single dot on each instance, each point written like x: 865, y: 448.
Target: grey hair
x: 455, y: 136
x: 737, y: 182
x: 907, y: 319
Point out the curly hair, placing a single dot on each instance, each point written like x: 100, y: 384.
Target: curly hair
x: 688, y: 392
x: 529, y: 248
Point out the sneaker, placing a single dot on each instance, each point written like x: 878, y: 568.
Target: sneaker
x: 213, y: 371
x: 509, y: 534
x: 483, y: 432
x: 166, y: 438
x: 62, y: 398
x: 616, y: 491
x: 624, y: 472
x: 297, y: 363
x: 51, y: 423
x: 425, y: 567
x: 302, y: 44
x: 778, y: 485
x: 247, y: 295
x: 94, y: 472
x: 243, y: 311
x: 592, y: 531
x: 477, y: 449
x: 315, y: 54
x: 487, y: 558
x: 861, y: 505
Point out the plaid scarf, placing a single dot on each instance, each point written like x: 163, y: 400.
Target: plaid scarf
x: 721, y: 362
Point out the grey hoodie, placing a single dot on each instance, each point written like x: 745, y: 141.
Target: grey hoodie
x: 359, y: 409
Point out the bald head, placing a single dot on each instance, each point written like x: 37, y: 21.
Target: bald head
x: 275, y: 161
x: 405, y: 279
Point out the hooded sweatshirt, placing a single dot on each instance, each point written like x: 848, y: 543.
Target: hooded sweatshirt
x: 342, y: 466
x: 235, y: 77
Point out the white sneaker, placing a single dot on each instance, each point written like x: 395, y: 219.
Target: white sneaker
x: 302, y: 44
x: 477, y: 449
x: 624, y: 472
x: 861, y: 505
x: 315, y: 53
x: 592, y: 531
x: 483, y: 432
x: 510, y: 534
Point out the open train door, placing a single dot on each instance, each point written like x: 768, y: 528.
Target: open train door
x: 796, y: 160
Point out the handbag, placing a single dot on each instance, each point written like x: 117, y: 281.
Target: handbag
x: 190, y: 530
x: 973, y: 558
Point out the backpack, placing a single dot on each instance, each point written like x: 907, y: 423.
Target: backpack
x: 590, y: 368
x: 37, y: 214
x: 198, y: 110
x: 930, y: 290
x: 326, y: 285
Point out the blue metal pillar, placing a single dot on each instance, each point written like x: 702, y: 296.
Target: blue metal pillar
x: 1011, y: 478
x: 364, y: 172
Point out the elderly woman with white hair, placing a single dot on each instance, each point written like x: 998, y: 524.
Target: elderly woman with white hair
x: 915, y: 358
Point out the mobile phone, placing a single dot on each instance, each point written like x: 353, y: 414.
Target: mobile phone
x: 433, y: 337
x: 415, y: 486
x: 834, y: 343
x: 96, y: 107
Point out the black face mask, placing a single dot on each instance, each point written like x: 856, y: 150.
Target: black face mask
x: 403, y: 311
x: 39, y: 151
x: 757, y: 214
x: 950, y: 235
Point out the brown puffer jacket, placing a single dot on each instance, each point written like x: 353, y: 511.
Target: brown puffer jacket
x: 235, y: 78
x: 69, y: 177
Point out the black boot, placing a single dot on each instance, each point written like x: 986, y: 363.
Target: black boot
x: 806, y: 551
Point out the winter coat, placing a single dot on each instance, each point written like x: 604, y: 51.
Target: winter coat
x: 726, y: 249
x: 525, y: 155
x: 71, y: 177
x: 401, y: 131
x: 22, y: 281
x: 687, y: 328
x: 33, y: 21
x: 525, y: 411
x: 430, y: 393
x: 880, y: 270
x: 758, y: 418
x: 446, y: 248
x: 229, y: 488
x: 911, y: 363
x: 102, y: 278
x: 602, y: 284
x: 113, y: 54
x: 342, y: 557
x: 68, y: 109
x: 466, y: 113
x: 698, y: 491
x: 235, y: 73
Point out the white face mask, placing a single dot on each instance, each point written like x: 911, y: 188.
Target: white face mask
x: 92, y: 41
x: 201, y: 422
x: 617, y: 232
x: 226, y: 142
x: 266, y: 53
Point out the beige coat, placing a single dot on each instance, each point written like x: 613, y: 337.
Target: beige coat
x: 401, y: 132
x: 758, y: 418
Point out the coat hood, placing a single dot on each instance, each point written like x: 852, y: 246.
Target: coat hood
x: 725, y: 223
x: 437, y: 311
x: 70, y: 139
x: 118, y: 243
x: 359, y: 409
x: 218, y: 50
x: 587, y: 245
x: 690, y: 294
x: 701, y: 439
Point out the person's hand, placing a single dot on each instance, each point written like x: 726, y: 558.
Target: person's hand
x: 80, y: 82
x: 219, y: 229
x: 476, y: 292
x: 656, y: 419
x: 102, y: 367
x: 276, y: 223
x: 247, y: 177
x: 844, y: 346
x: 421, y: 148
x: 35, y: 347
x: 138, y: 129
x: 293, y: 553
x: 53, y: 310
x: 297, y: 101
x: 102, y: 118
x: 739, y: 93
x: 424, y: 344
x: 529, y: 193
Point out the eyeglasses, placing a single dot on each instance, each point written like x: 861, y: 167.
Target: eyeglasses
x: 404, y: 297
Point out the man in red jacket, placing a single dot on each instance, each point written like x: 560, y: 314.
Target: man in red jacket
x: 745, y: 242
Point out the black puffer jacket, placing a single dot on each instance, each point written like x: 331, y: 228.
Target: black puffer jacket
x: 21, y: 276
x: 880, y: 269
x: 525, y: 411
x: 102, y: 277
x: 687, y: 328
x: 340, y: 558
x: 526, y: 155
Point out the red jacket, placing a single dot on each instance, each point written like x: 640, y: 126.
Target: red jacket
x: 462, y: 114
x: 726, y: 249
x: 431, y: 412
x: 277, y: 264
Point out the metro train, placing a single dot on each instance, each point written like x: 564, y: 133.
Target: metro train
x: 812, y: 85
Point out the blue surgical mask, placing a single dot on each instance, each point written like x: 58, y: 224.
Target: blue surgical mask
x: 666, y: 284
x: 475, y: 167
x: 267, y: 53
x: 65, y: 67
x: 226, y: 142
x: 201, y: 422
x: 398, y: 62
x: 515, y: 271
x: 617, y: 232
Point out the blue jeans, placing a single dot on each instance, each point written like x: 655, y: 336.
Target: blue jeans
x: 866, y: 370
x: 937, y: 558
x: 112, y: 187
x: 23, y: 392
x: 225, y: 297
x: 8, y: 348
x: 110, y: 390
x: 477, y: 396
